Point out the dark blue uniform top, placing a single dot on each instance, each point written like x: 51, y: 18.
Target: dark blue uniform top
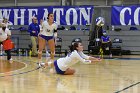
x: 105, y: 38
x: 34, y: 27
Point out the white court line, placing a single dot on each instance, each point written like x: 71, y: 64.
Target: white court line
x: 17, y: 69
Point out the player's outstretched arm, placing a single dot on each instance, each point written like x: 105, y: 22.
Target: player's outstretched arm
x: 96, y: 60
x: 92, y: 58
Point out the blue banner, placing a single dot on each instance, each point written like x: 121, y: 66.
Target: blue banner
x: 63, y: 15
x: 125, y: 15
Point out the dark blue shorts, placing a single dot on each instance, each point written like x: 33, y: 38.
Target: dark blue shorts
x: 46, y: 37
x: 58, y: 71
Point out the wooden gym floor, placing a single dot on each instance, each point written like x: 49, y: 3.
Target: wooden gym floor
x: 117, y: 75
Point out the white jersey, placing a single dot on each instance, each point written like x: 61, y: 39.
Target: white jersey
x: 8, y: 24
x: 71, y: 59
x: 48, y: 30
x: 4, y: 34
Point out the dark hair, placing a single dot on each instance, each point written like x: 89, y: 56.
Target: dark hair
x: 49, y: 15
x: 3, y: 28
x: 74, y: 46
x: 4, y: 19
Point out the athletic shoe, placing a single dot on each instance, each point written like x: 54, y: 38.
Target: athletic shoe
x: 11, y: 60
x: 47, y: 54
x: 110, y: 55
x: 41, y: 64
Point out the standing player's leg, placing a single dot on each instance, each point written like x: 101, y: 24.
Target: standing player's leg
x: 1, y: 48
x: 41, y: 42
x: 8, y: 54
x: 47, y: 53
x: 51, y: 44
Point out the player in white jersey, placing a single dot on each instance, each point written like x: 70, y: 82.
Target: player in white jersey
x: 62, y: 65
x: 6, y: 22
x: 48, y: 34
x: 5, y: 34
x: 41, y: 29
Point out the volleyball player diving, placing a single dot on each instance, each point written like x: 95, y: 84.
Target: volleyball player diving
x: 62, y: 65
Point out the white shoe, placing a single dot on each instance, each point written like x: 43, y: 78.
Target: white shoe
x: 47, y: 54
x: 110, y: 55
x: 41, y: 64
x: 11, y: 60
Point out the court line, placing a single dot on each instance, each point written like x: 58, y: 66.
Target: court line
x: 21, y: 72
x: 121, y: 76
x: 117, y: 74
x: 16, y: 69
x: 127, y: 87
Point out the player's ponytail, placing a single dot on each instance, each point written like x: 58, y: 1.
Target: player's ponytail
x: 74, y: 46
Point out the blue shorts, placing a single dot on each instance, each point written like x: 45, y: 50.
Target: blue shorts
x: 46, y: 37
x: 58, y: 70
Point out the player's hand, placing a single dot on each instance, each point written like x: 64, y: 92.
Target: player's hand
x: 96, y: 60
x: 99, y: 59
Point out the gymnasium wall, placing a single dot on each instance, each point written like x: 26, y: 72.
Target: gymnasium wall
x: 67, y: 36
x: 130, y: 38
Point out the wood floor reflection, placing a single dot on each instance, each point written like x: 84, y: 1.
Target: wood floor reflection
x: 7, y: 66
x: 119, y: 75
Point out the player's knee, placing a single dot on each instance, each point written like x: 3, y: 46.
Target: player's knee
x: 53, y: 53
x: 39, y: 52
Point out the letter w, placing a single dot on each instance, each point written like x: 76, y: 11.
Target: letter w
x: 5, y: 13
